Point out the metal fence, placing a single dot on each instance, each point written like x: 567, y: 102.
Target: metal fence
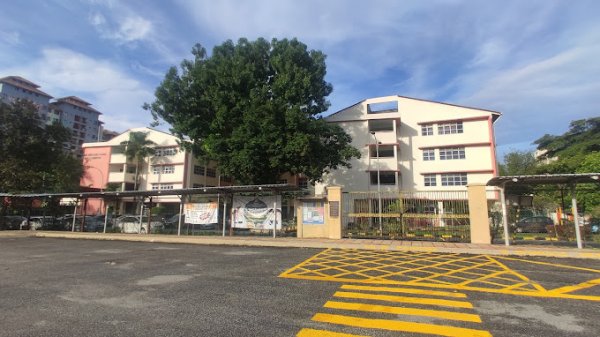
x: 426, y: 216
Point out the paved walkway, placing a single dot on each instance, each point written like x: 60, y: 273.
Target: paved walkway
x: 386, y: 245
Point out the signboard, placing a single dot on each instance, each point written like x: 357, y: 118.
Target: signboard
x: 334, y: 209
x: 256, y: 212
x: 68, y: 201
x: 313, y: 213
x: 201, y: 213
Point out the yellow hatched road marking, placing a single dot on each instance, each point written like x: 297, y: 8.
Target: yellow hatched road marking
x: 324, y: 333
x: 456, y: 316
x: 404, y: 299
x: 568, y: 289
x: 425, y: 328
x: 405, y: 290
x: 547, y: 264
x: 519, y: 275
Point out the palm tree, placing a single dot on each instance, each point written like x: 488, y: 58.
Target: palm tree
x: 137, y: 148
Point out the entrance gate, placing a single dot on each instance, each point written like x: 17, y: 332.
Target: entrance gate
x: 424, y: 216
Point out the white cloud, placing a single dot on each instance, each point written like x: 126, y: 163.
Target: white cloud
x: 63, y: 72
x: 126, y: 29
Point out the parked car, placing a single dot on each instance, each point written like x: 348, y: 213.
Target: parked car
x: 41, y: 223
x: 8, y: 222
x: 595, y: 225
x: 534, y: 224
x: 131, y: 224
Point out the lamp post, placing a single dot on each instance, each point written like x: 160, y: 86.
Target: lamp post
x: 378, y: 183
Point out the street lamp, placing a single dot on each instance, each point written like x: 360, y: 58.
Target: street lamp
x: 378, y: 183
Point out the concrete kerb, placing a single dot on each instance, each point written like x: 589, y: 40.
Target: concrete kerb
x: 416, y: 246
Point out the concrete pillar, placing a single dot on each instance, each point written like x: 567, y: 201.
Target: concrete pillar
x: 478, y: 214
x: 333, y: 212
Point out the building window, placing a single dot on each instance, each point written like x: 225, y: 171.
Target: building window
x: 303, y: 182
x: 211, y: 172
x: 454, y: 179
x: 199, y: 170
x: 385, y: 178
x: 382, y: 107
x: 430, y: 180
x: 429, y: 154
x: 166, y: 186
x: 427, y: 130
x: 450, y: 128
x: 452, y: 153
x: 385, y: 151
x: 168, y: 169
x: 155, y: 186
x: 156, y: 169
x: 381, y: 125
x: 165, y: 152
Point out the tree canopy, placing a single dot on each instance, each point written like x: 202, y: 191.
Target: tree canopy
x: 255, y: 107
x: 137, y: 148
x: 32, y: 155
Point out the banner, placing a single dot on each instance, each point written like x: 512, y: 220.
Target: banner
x: 201, y: 213
x: 256, y: 212
x: 313, y: 213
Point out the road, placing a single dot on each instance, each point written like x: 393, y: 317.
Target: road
x: 59, y: 287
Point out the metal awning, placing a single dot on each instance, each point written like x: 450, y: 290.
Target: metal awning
x: 271, y: 188
x: 541, y: 179
x: 544, y: 179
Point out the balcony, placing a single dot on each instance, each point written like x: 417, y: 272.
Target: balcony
x: 120, y: 177
x: 118, y: 158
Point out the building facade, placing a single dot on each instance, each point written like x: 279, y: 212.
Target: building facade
x: 412, y: 144
x: 16, y: 87
x: 72, y: 112
x: 170, y: 167
x: 81, y: 118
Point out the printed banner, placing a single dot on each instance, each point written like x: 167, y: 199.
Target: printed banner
x: 313, y: 213
x: 256, y: 212
x: 201, y: 213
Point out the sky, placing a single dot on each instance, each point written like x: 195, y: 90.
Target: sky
x: 536, y: 62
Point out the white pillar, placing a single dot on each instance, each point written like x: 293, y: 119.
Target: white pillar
x: 504, y: 216
x: 576, y: 217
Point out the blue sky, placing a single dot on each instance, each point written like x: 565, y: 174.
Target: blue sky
x: 537, y: 62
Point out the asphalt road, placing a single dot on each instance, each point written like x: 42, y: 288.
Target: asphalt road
x: 58, y: 287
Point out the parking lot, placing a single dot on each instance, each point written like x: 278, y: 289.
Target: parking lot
x: 59, y: 287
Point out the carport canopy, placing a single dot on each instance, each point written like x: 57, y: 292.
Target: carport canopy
x: 571, y: 179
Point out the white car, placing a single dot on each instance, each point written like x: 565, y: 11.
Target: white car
x: 131, y: 224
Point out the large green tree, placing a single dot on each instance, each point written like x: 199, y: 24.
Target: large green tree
x: 254, y: 106
x: 136, y: 149
x: 32, y: 154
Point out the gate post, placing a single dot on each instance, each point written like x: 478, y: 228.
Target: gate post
x: 333, y: 216
x: 478, y: 214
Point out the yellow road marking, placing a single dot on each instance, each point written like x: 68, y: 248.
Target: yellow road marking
x: 519, y: 275
x: 324, y: 333
x: 404, y: 299
x: 425, y: 328
x: 305, y: 262
x: 548, y: 264
x: 583, y: 285
x: 443, y: 314
x: 405, y: 290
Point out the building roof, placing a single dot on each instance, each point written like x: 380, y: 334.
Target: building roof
x: 76, y: 101
x: 20, y: 82
x: 542, y: 179
x: 495, y: 114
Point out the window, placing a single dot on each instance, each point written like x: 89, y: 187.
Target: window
x: 166, y: 186
x: 375, y: 108
x: 155, y: 186
x: 385, y: 151
x: 211, y: 172
x: 450, y: 128
x: 454, y: 179
x: 427, y: 130
x: 165, y: 152
x: 303, y: 182
x: 452, y: 153
x: 156, y: 169
x: 385, y: 178
x: 381, y: 125
x: 199, y: 170
x: 430, y: 180
x: 168, y: 169
x: 428, y: 154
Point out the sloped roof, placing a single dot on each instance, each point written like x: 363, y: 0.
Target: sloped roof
x: 542, y: 179
x: 76, y: 101
x: 20, y: 82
